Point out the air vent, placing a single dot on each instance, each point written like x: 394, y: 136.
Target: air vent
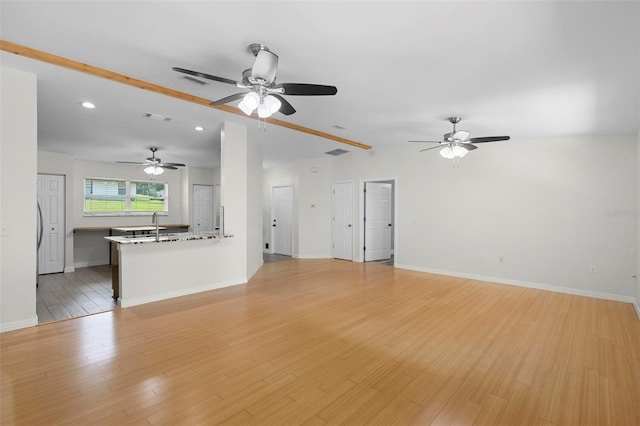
x: 194, y: 80
x: 156, y: 116
x: 337, y: 152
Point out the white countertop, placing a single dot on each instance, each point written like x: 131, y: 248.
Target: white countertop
x: 178, y: 236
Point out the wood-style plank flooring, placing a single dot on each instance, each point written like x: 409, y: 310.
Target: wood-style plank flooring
x: 331, y: 342
x: 82, y: 292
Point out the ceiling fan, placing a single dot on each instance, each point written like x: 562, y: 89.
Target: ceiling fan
x: 264, y: 94
x: 154, y: 165
x: 458, y: 143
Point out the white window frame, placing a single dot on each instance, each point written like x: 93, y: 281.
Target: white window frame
x: 127, y: 211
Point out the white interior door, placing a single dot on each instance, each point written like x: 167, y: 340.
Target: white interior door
x: 378, y: 221
x: 342, y: 229
x: 281, y: 222
x: 202, y: 208
x: 51, y: 200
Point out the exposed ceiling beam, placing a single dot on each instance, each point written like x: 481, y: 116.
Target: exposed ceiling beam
x: 49, y: 58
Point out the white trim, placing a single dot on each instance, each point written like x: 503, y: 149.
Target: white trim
x: 315, y: 256
x: 88, y: 263
x: 169, y: 295
x: 528, y: 284
x: 16, y: 325
x: 68, y: 269
x: 635, y: 305
x: 359, y: 255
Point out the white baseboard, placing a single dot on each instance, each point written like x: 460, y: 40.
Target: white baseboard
x: 68, y: 269
x: 169, y: 295
x: 635, y: 305
x: 316, y: 256
x: 528, y: 284
x: 16, y: 325
x: 90, y: 263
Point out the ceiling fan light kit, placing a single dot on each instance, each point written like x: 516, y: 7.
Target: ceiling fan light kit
x: 153, y: 165
x: 457, y: 143
x: 265, y: 96
x: 153, y: 170
x: 453, y: 152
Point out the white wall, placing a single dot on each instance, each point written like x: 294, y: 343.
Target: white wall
x: 18, y: 176
x: 637, y: 304
x: 551, y: 208
x: 254, y: 208
x: 240, y: 179
x: 312, y: 185
x: 62, y: 164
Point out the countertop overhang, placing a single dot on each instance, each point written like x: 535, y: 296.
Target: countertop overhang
x: 179, y: 236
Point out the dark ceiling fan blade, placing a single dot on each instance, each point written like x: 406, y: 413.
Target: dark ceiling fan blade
x: 489, y: 139
x: 165, y: 166
x: 172, y: 164
x: 130, y: 162
x: 207, y: 76
x: 301, y: 89
x: 433, y: 147
x: 426, y: 141
x: 229, y: 98
x: 286, y: 108
x: 468, y: 146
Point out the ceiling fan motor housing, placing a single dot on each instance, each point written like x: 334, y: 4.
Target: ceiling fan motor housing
x: 265, y: 66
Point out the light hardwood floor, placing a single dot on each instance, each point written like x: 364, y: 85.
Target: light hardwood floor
x: 329, y: 342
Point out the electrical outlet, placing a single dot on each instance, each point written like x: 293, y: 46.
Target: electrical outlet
x: 593, y: 268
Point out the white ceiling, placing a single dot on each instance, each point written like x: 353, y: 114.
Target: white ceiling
x: 525, y: 69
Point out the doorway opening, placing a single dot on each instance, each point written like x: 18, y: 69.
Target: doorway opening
x: 61, y: 295
x: 378, y: 220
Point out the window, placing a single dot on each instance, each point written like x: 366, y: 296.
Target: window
x: 121, y: 197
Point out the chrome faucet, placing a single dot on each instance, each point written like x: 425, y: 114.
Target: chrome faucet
x: 155, y: 219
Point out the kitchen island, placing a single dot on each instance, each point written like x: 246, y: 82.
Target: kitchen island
x: 149, y: 270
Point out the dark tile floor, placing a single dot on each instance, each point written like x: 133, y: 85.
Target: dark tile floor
x: 82, y: 292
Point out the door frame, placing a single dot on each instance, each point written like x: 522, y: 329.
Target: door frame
x: 63, y: 223
x: 353, y: 228
x: 361, y: 212
x: 272, y: 232
x: 193, y: 205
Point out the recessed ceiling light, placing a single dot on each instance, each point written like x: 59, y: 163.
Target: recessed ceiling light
x: 199, y: 128
x: 87, y: 105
